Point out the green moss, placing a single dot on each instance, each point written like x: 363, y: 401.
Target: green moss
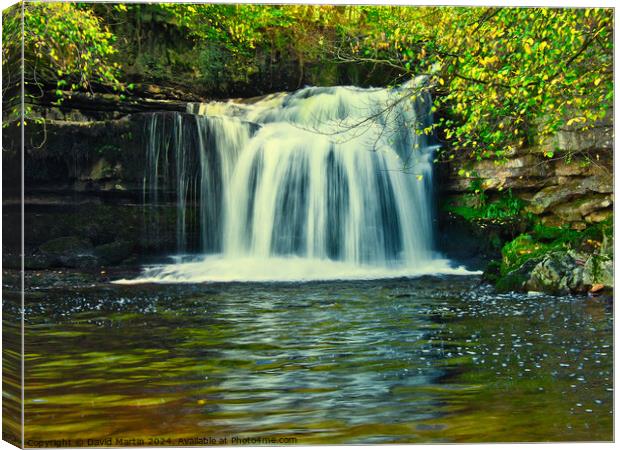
x: 474, y: 206
x: 600, y: 230
x: 492, y: 271
x: 587, y: 240
x: 563, y: 234
x: 516, y: 252
x: 510, y: 282
x: 543, y: 239
x: 66, y: 245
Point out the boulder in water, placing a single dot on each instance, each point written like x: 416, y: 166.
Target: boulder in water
x: 558, y: 273
x: 562, y: 273
x: 71, y: 251
x: 599, y: 269
x: 114, y: 252
x: 67, y: 245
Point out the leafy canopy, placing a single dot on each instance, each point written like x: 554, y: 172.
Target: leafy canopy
x: 64, y: 43
x: 507, y: 77
x: 503, y: 77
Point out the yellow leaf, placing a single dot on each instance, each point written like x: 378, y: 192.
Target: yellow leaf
x: 575, y: 120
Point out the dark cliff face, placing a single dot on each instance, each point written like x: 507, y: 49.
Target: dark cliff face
x: 83, y: 179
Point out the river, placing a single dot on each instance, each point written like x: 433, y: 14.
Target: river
x: 427, y: 359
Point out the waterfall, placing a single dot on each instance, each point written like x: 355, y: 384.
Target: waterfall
x: 189, y: 161
x: 330, y: 182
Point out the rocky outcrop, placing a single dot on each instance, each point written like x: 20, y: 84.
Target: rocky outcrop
x: 561, y: 273
x: 112, y: 104
x: 114, y: 252
x: 84, y: 168
x: 80, y: 155
x: 573, y: 187
x: 70, y: 251
x: 557, y: 271
x: 581, y: 188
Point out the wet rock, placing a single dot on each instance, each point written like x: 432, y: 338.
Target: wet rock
x: 71, y: 251
x: 578, y: 167
x: 66, y: 246
x: 599, y: 269
x: 576, y: 210
x: 558, y: 273
x: 590, y: 204
x: 551, y: 221
x: 516, y: 279
x: 557, y: 194
x: 599, y: 216
x: 114, y: 252
x: 522, y: 171
x: 561, y: 273
x: 576, y: 140
x: 567, y: 212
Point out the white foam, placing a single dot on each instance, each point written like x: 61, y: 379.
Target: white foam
x: 217, y: 268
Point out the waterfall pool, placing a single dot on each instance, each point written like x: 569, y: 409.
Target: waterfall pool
x: 427, y: 359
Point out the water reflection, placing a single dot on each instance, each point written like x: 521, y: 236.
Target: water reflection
x: 425, y: 360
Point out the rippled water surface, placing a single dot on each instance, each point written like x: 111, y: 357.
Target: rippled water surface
x: 423, y: 360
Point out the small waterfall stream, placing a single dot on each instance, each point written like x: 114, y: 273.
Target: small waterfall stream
x: 321, y: 183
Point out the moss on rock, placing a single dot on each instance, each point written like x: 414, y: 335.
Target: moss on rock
x: 67, y: 245
x: 510, y: 283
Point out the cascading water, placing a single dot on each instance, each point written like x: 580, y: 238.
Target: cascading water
x: 189, y: 160
x: 323, y: 183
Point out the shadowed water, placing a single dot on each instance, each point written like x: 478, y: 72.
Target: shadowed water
x: 434, y: 359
